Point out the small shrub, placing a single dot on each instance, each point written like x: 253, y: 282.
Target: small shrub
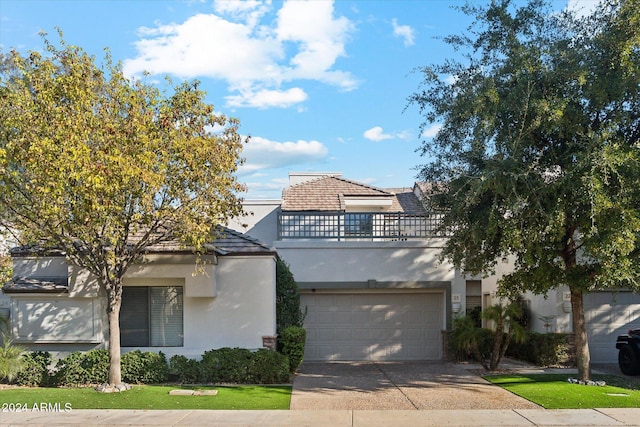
x: 268, y: 367
x: 292, y: 341
x: 542, y: 349
x: 225, y: 365
x: 83, y: 368
x: 11, y: 358
x: 184, y: 370
x: 35, y: 372
x: 144, y: 368
x: 465, y: 336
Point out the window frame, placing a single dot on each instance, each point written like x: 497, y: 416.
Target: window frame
x: 148, y: 315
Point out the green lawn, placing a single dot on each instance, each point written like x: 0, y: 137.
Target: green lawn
x: 553, y: 391
x: 150, y: 397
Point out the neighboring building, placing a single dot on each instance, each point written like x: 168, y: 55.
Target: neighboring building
x: 608, y: 314
x: 170, y: 303
x: 367, y: 262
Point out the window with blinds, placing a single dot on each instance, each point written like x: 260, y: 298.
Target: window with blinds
x: 152, y: 316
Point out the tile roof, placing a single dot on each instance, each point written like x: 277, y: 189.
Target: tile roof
x: 406, y: 201
x: 228, y: 242
x: 328, y: 194
x: 231, y: 242
x: 37, y: 285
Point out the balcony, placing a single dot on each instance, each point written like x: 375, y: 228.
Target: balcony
x: 360, y: 226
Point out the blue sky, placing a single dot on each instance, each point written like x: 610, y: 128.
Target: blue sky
x: 318, y: 85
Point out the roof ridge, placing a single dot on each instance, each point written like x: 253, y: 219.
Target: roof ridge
x: 244, y: 236
x: 307, y: 182
x: 348, y: 181
x: 360, y: 184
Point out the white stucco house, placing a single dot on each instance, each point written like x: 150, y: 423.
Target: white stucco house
x: 170, y: 303
x: 366, y: 260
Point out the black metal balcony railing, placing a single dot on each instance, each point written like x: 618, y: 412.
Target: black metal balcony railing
x: 357, y: 226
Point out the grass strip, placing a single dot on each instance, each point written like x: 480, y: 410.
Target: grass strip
x: 147, y: 397
x: 553, y: 391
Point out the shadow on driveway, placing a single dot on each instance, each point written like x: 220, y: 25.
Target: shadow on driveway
x: 397, y: 386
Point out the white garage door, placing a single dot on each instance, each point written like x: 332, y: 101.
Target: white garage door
x: 373, y: 326
x: 607, y: 316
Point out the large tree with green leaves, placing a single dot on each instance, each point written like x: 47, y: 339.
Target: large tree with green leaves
x: 538, y: 154
x: 103, y: 167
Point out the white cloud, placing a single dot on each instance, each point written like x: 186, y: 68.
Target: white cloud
x: 258, y: 183
x: 583, y: 7
x: 320, y: 39
x: 252, y: 51
x: 376, y: 133
x: 403, y: 31
x: 431, y: 131
x: 249, y: 11
x: 265, y: 98
x: 261, y: 153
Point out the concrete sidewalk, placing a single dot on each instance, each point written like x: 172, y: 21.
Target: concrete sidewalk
x: 337, y: 418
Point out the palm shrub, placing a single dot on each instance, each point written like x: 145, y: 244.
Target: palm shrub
x: 488, y: 347
x: 468, y: 339
x: 507, y: 328
x: 11, y: 358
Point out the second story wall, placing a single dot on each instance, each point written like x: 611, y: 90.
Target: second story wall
x: 352, y: 264
x: 260, y: 220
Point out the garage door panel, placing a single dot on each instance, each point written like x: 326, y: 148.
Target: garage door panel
x: 342, y: 317
x: 607, y: 316
x: 324, y: 334
x: 382, y: 326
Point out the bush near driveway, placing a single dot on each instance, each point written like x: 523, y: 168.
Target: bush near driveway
x: 292, y: 340
x: 544, y: 349
x: 234, y: 365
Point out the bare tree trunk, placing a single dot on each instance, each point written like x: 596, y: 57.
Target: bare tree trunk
x: 498, y: 337
x: 113, y: 312
x: 583, y: 357
x: 478, y: 355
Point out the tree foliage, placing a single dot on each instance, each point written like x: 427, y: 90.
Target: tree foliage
x: 103, y: 167
x: 538, y: 154
x: 288, y: 312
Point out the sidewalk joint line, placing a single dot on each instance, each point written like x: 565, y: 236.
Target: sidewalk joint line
x: 377, y: 365
x: 188, y: 412
x: 522, y: 416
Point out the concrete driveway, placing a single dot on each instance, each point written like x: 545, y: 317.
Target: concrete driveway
x: 397, y: 386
